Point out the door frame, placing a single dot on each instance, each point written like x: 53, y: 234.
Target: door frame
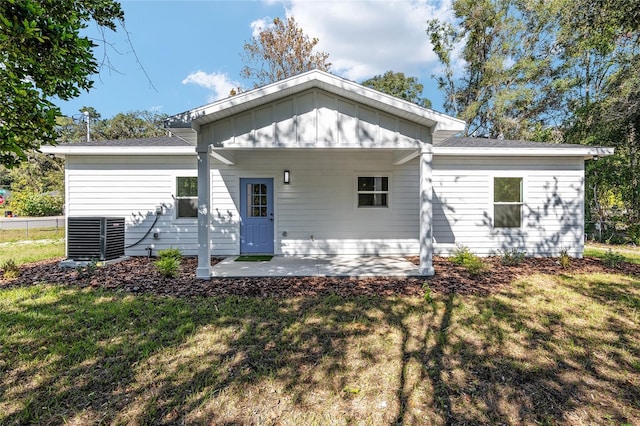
x: 270, y: 181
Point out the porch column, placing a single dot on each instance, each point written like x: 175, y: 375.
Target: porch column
x: 204, y: 218
x: 426, y: 212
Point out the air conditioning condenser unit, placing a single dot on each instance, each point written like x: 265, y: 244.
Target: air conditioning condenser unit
x: 95, y: 238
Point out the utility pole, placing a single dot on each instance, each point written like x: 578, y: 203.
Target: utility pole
x: 86, y: 114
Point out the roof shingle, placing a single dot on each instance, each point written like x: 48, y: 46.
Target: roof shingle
x: 468, y: 142
x: 150, y: 142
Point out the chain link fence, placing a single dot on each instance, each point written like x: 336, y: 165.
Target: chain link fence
x: 26, y: 228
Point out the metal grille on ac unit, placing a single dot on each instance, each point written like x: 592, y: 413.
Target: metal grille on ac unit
x: 95, y: 238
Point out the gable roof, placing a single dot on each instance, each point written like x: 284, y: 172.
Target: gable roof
x: 443, y: 126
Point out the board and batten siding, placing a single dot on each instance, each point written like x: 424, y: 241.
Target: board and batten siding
x: 317, y: 212
x: 314, y: 119
x: 132, y: 187
x: 553, y: 205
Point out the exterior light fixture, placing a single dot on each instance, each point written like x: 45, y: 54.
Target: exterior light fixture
x: 287, y: 177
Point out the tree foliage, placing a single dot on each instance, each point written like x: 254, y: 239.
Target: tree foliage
x: 127, y: 125
x: 505, y: 81
x: 601, y: 47
x: 43, y: 56
x: 39, y: 173
x: 132, y: 125
x: 608, y: 113
x: 37, y: 185
x: 36, y: 204
x: 398, y: 85
x: 280, y: 51
x: 559, y: 70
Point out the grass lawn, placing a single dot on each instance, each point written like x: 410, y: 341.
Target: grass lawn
x: 630, y: 254
x: 549, y: 350
x: 15, y: 235
x: 31, y: 251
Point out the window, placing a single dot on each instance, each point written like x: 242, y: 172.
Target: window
x: 373, y: 191
x: 256, y: 200
x: 507, y: 202
x: 186, y: 197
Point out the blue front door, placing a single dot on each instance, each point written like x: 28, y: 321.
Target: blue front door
x: 256, y: 215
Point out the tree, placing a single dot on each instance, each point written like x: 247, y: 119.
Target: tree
x: 508, y: 82
x: 281, y: 51
x: 396, y: 84
x: 131, y: 125
x: 43, y: 56
x: 556, y: 70
x: 37, y: 185
x: 128, y: 125
x: 604, y: 46
x: 39, y: 173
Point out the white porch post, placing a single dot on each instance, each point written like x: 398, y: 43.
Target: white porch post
x: 426, y: 212
x: 204, y: 218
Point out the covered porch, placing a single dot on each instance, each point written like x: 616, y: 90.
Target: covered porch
x: 359, y: 164
x: 312, y: 220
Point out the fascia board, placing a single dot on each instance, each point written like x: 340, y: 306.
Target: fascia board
x: 133, y: 150
x: 558, y: 151
x: 314, y: 79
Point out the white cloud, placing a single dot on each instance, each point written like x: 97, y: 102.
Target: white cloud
x: 218, y: 83
x: 365, y: 38
x: 260, y: 24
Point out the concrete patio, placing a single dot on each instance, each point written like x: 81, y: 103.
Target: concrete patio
x: 317, y: 266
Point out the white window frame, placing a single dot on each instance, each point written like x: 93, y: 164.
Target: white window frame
x: 492, y: 203
x: 176, y: 197
x: 358, y: 192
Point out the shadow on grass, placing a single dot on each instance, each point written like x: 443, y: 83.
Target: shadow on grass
x: 563, y: 348
x: 90, y: 356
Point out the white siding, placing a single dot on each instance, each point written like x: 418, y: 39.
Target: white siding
x: 317, y: 213
x: 552, y: 212
x: 225, y: 215
x: 132, y: 187
x: 314, y: 119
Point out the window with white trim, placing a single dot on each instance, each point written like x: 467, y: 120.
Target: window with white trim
x: 186, y: 197
x: 507, y: 202
x: 373, y: 191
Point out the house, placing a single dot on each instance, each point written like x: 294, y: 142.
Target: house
x: 315, y: 165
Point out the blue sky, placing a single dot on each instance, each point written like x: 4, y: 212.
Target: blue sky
x: 191, y: 50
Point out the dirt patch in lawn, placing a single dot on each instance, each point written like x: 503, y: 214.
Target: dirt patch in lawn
x: 139, y: 275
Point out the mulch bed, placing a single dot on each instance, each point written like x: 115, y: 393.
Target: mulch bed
x: 139, y: 275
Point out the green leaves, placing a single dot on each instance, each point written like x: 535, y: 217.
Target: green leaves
x: 396, y: 84
x: 559, y: 70
x: 129, y: 125
x: 496, y: 66
x: 604, y: 46
x: 30, y: 203
x: 168, y: 263
x: 43, y: 56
